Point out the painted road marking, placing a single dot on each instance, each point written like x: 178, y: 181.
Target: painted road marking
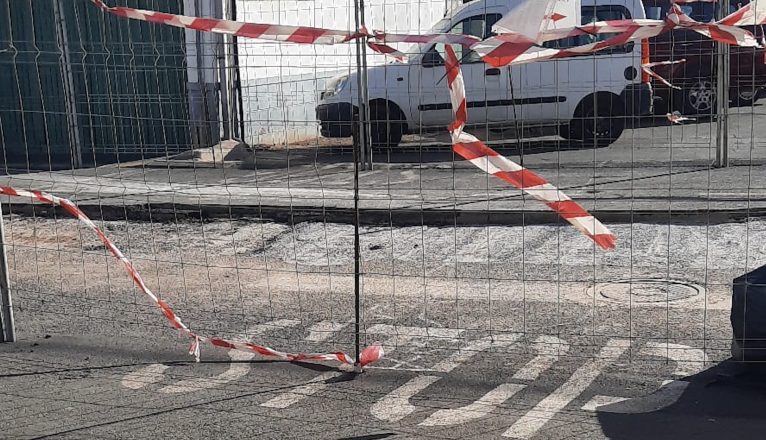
x: 145, y: 376
x: 315, y: 385
x: 549, y: 349
x: 236, y: 370
x: 669, y: 393
x: 501, y: 340
x: 403, y: 335
x: 321, y: 331
x: 689, y: 361
x: 529, y: 424
x: 400, y: 335
x: 317, y: 333
x: 396, y: 404
x: 156, y: 372
x: 478, y: 409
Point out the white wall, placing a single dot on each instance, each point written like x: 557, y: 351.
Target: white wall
x: 281, y: 81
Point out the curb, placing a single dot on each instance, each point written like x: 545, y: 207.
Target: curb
x: 166, y: 212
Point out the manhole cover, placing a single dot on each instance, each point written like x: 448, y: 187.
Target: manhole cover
x: 646, y: 291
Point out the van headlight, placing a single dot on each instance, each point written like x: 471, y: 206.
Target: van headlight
x: 335, y: 87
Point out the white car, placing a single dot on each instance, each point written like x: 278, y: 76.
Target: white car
x: 585, y: 98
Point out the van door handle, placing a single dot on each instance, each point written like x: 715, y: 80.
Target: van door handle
x: 492, y: 72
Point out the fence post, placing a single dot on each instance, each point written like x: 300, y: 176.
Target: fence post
x: 7, y: 329
x: 223, y: 78
x: 73, y: 128
x: 365, y: 139
x: 722, y: 84
x: 235, y: 79
x: 202, y: 84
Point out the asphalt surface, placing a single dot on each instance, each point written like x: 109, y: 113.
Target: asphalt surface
x: 655, y: 173
x: 489, y: 332
x: 96, y: 360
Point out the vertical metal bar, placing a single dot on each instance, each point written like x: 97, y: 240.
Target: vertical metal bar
x: 7, y: 328
x: 359, y: 148
x: 362, y: 97
x: 357, y: 259
x: 367, y: 153
x: 722, y: 92
x: 223, y: 82
x: 204, y: 128
x: 73, y: 127
x: 237, y: 76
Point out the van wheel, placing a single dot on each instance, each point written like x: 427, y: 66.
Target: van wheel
x: 744, y: 97
x: 386, y: 125
x: 698, y: 97
x: 736, y: 351
x: 599, y: 120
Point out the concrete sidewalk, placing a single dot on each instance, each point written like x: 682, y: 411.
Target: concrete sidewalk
x: 442, y: 190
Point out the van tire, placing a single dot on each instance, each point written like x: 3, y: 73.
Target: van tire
x: 699, y: 94
x: 387, y: 124
x: 599, y: 120
x: 737, y: 353
x: 743, y: 97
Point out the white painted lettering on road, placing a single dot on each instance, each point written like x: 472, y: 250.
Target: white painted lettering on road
x: 501, y: 340
x: 549, y: 349
x: 478, y: 409
x: 688, y: 360
x: 403, y: 335
x: 145, y: 376
x: 155, y: 373
x: 299, y: 393
x: 583, y: 377
x: 396, y: 404
x: 236, y: 370
x: 318, y: 332
x: 321, y: 331
x: 668, y: 394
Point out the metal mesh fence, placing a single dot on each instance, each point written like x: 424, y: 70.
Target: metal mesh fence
x: 225, y: 172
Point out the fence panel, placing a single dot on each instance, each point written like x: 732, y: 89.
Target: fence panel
x: 460, y: 274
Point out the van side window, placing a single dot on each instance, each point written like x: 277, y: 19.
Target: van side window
x: 479, y: 26
x: 592, y: 14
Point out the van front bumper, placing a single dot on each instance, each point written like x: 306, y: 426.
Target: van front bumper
x: 335, y: 119
x: 638, y: 99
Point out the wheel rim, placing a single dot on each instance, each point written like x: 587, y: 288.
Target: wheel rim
x: 702, y: 96
x: 598, y: 126
x: 746, y: 95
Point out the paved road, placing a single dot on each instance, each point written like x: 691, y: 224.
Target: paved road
x: 655, y: 173
x: 575, y: 353
x: 565, y: 361
x: 94, y: 387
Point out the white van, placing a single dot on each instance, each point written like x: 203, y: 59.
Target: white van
x: 584, y: 98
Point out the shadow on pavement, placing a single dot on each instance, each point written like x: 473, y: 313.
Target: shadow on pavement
x: 662, y: 121
x: 725, y: 402
x: 434, y: 152
x: 406, y: 154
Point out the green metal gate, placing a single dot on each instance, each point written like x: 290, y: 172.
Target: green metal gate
x: 78, y: 87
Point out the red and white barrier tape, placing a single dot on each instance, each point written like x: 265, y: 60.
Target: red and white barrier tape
x: 292, y: 34
x: 501, y: 50
x: 367, y: 356
x: 676, y: 117
x: 501, y: 167
x: 648, y: 69
x: 498, y: 51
